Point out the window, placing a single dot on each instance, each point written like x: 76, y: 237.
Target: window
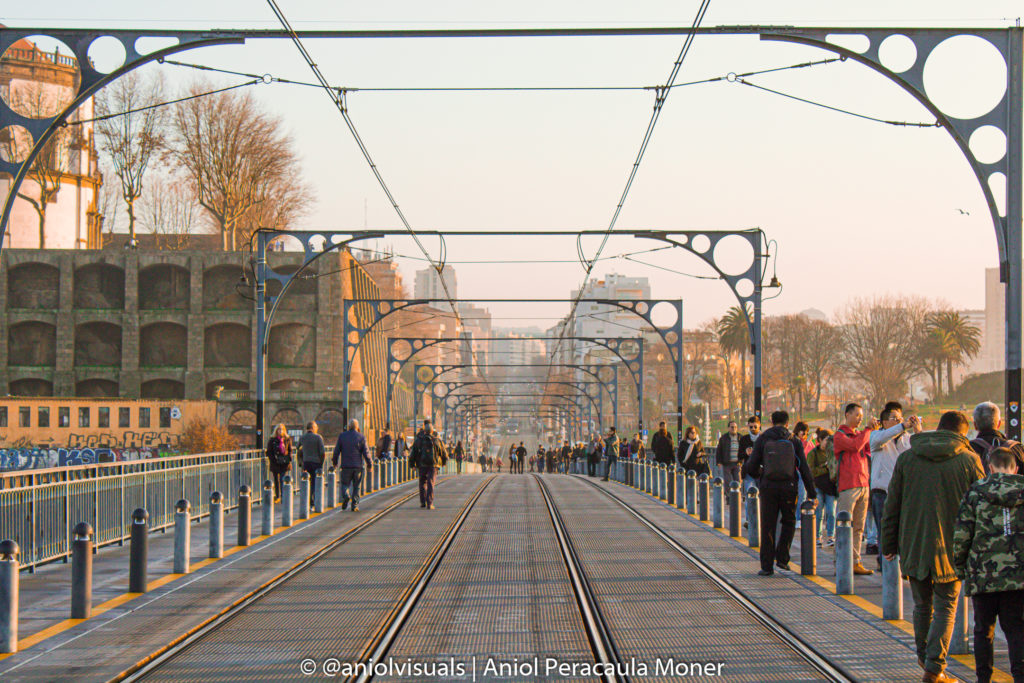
x: 144, y: 418
x: 43, y: 416
x: 124, y: 418
x: 3, y: 416
x: 24, y: 416
x: 83, y: 417
x: 165, y: 418
x: 64, y: 417
x: 103, y: 418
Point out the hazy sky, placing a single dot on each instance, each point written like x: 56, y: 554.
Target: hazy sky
x: 857, y: 207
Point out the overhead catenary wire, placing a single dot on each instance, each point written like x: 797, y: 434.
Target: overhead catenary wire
x: 179, y: 100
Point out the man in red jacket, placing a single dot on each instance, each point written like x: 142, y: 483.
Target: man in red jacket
x: 854, y: 455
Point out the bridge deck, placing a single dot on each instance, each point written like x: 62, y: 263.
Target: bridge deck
x: 499, y: 594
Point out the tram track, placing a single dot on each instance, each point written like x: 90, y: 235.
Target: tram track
x: 155, y: 661
x: 773, y: 626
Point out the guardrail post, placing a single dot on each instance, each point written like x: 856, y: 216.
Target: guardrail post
x: 844, y: 554
x: 691, y: 492
x: 656, y: 481
x: 753, y: 517
x: 332, y: 489
x: 304, y: 496
x: 735, y: 509
x: 244, y: 516
x: 959, y: 643
x: 718, y: 503
x: 808, y: 540
x: 216, y: 525
x: 267, y: 509
x: 8, y: 596
x: 287, y: 504
x: 182, y: 537
x: 139, y: 552
x: 318, y: 491
x: 703, y: 495
x: 81, y: 572
x: 670, y: 480
x: 892, y: 589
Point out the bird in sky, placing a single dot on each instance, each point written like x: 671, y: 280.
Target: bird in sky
x: 965, y: 213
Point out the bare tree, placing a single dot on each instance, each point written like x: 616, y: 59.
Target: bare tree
x: 131, y: 140
x: 882, y: 338
x: 108, y: 203
x: 238, y: 158
x: 823, y: 353
x: 169, y: 211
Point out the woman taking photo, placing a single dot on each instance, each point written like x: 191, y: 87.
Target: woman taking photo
x: 279, y: 455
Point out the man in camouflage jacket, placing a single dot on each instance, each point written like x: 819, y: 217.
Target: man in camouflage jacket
x: 988, y: 554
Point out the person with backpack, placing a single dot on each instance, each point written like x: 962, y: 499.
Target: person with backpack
x: 928, y: 484
x: 311, y: 455
x: 989, y: 558
x: 987, y: 421
x: 853, y: 456
x: 427, y: 455
x: 611, y: 451
x: 661, y: 445
x: 777, y: 461
x: 825, y: 483
x: 351, y: 454
x: 460, y: 453
x: 384, y: 444
x: 691, y: 453
x: 279, y: 457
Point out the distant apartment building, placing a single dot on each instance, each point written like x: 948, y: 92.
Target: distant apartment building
x: 428, y: 284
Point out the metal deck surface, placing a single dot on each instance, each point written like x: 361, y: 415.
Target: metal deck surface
x: 501, y: 595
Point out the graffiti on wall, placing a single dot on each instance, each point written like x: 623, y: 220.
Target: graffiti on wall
x: 27, y: 458
x: 125, y: 439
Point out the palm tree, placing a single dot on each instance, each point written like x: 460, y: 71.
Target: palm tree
x: 734, y: 337
x: 960, y: 340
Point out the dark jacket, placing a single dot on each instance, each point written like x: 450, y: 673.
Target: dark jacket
x: 988, y: 542
x: 747, y: 441
x: 351, y: 450
x: 459, y: 452
x: 722, y: 450
x: 661, y: 446
x: 427, y: 452
x: 384, y: 447
x: 994, y: 436
x: 927, y: 485
x: 698, y: 460
x: 753, y: 466
x: 279, y: 453
x: 311, y: 448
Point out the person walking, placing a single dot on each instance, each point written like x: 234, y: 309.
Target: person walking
x: 311, y: 454
x: 989, y: 558
x: 825, y: 512
x: 853, y: 452
x: 727, y: 454
x: 351, y: 454
x: 928, y: 483
x: 594, y: 454
x: 988, y: 421
x: 460, y: 453
x: 691, y: 453
x: 661, y: 445
x: 801, y: 433
x: 611, y: 451
x: 636, y: 447
x: 279, y: 457
x: 427, y: 455
x: 886, y: 445
x: 520, y: 459
x: 776, y: 462
x: 747, y: 447
x: 400, y: 446
x: 384, y: 444
x: 566, y: 458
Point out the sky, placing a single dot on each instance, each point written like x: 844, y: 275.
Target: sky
x: 857, y: 208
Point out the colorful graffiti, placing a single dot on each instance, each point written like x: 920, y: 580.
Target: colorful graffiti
x: 27, y: 458
x: 125, y: 439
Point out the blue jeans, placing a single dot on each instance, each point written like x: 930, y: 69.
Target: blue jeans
x: 876, y: 505
x: 826, y: 510
x: 351, y: 477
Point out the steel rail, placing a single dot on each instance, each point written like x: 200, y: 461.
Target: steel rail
x: 154, y: 661
x: 600, y: 638
x: 797, y: 644
x: 381, y: 642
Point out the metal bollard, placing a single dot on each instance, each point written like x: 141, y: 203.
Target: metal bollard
x: 703, y: 496
x: 753, y: 517
x: 81, y: 572
x: 267, y: 510
x: 959, y: 643
x: 182, y: 536
x: 735, y: 509
x: 216, y: 525
x: 304, y: 496
x: 656, y: 481
x: 318, y: 491
x: 139, y: 552
x: 680, y: 489
x: 662, y: 482
x: 287, y: 504
x: 892, y: 589
x: 844, y: 554
x: 808, y: 540
x: 718, y: 503
x: 332, y: 489
x: 670, y: 479
x: 244, y: 516
x: 691, y: 492
x: 8, y: 596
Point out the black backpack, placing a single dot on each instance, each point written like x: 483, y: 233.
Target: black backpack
x: 779, y: 463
